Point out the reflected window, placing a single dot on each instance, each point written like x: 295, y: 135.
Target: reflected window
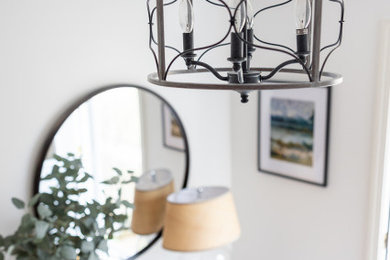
x: 104, y: 136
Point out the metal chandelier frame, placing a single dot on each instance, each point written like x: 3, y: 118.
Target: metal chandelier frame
x: 312, y: 67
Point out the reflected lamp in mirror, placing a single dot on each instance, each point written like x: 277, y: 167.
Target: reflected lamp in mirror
x: 150, y: 197
x: 200, y: 219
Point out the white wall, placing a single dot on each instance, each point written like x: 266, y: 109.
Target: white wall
x: 155, y: 154
x: 54, y: 51
x: 283, y: 219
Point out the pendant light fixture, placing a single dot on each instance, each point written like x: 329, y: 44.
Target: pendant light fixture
x: 246, y: 73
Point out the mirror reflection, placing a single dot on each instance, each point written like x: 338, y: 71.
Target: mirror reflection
x: 134, y: 131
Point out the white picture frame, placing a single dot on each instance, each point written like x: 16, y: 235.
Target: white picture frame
x: 293, y: 134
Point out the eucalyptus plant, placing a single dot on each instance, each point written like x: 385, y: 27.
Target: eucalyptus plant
x: 58, y: 225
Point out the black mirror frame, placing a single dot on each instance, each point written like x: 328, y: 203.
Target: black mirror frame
x: 54, y: 129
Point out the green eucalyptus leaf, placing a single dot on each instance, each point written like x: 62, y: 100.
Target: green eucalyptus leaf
x: 108, y: 222
x: 68, y: 252
x: 67, y: 226
x: 42, y: 254
x: 52, y: 219
x: 103, y: 246
x: 34, y: 200
x: 88, y: 222
x: 62, y: 182
x: 27, y: 224
x: 70, y: 154
x: 85, y: 178
x: 41, y: 228
x: 130, y: 172
x: 58, y: 158
x: 18, y: 203
x: 113, y: 180
x: 76, y: 191
x: 120, y: 218
x: 93, y: 256
x: 87, y: 246
x: 77, y: 164
x: 127, y: 204
x: 102, y: 231
x: 8, y: 243
x: 55, y: 174
x: 21, y: 251
x: 44, y: 211
x: 119, y: 172
x: 83, y: 190
x: 87, y: 226
x: 132, y: 179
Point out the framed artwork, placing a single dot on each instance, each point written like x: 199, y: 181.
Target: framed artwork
x: 293, y: 134
x: 172, y: 134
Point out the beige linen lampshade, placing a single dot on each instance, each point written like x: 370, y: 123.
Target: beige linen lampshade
x: 200, y: 219
x: 151, y: 193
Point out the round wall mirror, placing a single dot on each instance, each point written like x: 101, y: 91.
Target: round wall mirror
x: 129, y: 128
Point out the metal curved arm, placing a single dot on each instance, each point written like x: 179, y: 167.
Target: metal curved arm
x: 212, y: 48
x: 209, y: 68
x: 339, y: 40
x: 277, y: 69
x: 151, y: 15
x: 270, y: 43
x: 273, y: 49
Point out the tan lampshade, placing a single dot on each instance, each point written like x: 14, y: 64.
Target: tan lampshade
x: 200, y: 219
x: 150, y: 197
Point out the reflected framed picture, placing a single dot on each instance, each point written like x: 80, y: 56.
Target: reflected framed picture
x: 172, y: 134
x: 293, y: 134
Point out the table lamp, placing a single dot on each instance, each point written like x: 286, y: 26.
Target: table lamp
x: 151, y: 193
x: 198, y: 219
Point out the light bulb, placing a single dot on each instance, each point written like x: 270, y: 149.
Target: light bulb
x: 186, y: 15
x: 303, y: 12
x: 250, y: 14
x: 240, y: 18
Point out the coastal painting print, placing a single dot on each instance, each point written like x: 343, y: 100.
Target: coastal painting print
x: 293, y: 134
x: 292, y: 124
